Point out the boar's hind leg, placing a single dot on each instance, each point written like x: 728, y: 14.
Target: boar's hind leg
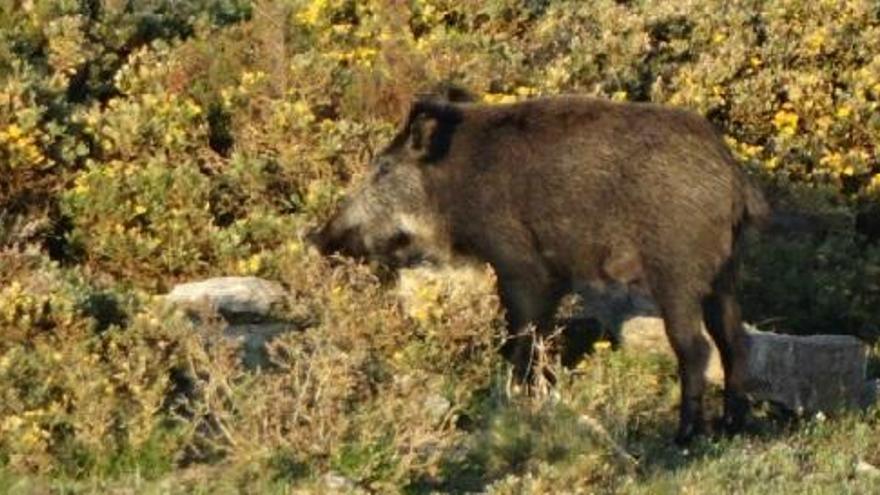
x: 528, y: 299
x: 682, y: 318
x: 722, y: 315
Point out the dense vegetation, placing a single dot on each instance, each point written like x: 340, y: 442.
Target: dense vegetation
x: 146, y: 143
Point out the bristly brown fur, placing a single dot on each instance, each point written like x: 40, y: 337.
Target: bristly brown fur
x: 560, y: 191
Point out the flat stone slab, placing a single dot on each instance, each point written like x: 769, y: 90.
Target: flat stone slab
x: 808, y: 373
x: 229, y: 296
x: 804, y: 374
x: 246, y: 304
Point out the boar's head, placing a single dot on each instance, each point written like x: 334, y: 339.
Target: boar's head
x: 390, y: 216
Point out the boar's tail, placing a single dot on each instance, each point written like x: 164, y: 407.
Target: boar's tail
x: 756, y: 212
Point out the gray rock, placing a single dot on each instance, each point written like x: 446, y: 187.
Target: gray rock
x: 230, y: 296
x: 871, y: 389
x: 338, y: 483
x: 865, y: 468
x: 437, y: 406
x: 807, y: 373
x: 804, y: 374
x: 245, y: 303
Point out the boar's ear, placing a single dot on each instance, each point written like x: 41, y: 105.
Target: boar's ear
x: 450, y: 92
x: 447, y: 92
x: 430, y: 129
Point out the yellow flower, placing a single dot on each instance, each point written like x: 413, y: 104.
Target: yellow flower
x: 843, y: 112
x: 602, y: 345
x: 743, y: 150
x: 525, y: 91
x: 194, y: 109
x: 498, y: 98
x: 294, y: 247
x: 420, y: 314
x: 11, y: 423
x: 32, y: 154
x: 786, y: 122
x: 13, y: 132
x: 832, y: 161
x: 327, y: 125
x: 311, y: 13
x: 251, y: 265
x: 874, y: 185
x: 81, y: 185
x: 255, y: 262
x: 303, y: 112
x: 816, y: 41
x: 251, y: 78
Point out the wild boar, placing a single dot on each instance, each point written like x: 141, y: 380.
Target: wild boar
x: 563, y: 191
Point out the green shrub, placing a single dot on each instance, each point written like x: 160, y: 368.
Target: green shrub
x: 79, y: 399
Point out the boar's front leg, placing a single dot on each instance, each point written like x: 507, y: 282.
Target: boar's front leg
x: 530, y: 297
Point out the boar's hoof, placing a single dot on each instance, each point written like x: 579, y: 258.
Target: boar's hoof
x: 733, y: 421
x: 689, y: 428
x: 736, y: 418
x: 687, y: 433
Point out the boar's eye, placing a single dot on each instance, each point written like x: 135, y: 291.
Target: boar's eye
x: 383, y: 166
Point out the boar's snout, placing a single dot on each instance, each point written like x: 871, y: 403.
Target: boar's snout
x: 315, y: 237
x: 396, y: 249
x: 331, y: 239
